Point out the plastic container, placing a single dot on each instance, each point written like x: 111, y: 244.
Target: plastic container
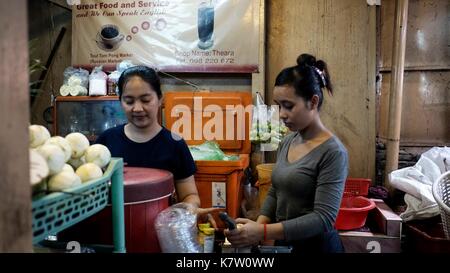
x: 264, y: 180
x: 354, y: 207
x: 147, y: 192
x: 441, y: 192
x: 218, y: 182
x: 426, y: 236
x: 206, y: 237
x: 353, y: 212
x: 112, y: 81
x: 357, y: 187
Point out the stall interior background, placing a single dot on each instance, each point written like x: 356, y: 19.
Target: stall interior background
x: 354, y: 38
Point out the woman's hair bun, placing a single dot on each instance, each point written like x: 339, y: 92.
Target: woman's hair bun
x: 306, y: 60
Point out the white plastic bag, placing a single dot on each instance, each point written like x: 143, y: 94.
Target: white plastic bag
x: 176, y: 228
x: 97, y: 82
x: 267, y: 129
x: 75, y: 82
x: 76, y: 76
x: 120, y: 67
x: 417, y: 181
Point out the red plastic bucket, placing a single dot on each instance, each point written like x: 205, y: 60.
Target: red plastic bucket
x: 353, y: 212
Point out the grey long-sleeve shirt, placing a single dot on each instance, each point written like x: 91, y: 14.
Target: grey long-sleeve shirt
x: 305, y: 195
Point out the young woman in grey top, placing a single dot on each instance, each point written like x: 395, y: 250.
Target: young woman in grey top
x: 312, y: 165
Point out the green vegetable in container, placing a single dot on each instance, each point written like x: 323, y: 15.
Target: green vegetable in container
x: 210, y: 150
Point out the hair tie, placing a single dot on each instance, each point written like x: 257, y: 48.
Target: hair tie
x: 322, y: 77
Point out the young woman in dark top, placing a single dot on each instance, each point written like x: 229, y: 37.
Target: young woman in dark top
x: 312, y: 165
x: 143, y: 142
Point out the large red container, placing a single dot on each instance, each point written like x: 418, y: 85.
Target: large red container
x: 146, y: 193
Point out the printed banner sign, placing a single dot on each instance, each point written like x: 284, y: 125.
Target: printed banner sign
x: 171, y: 35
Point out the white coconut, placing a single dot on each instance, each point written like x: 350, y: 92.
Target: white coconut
x: 76, y: 162
x: 89, y: 171
x: 38, y: 135
x: 98, y: 154
x: 38, y: 167
x: 79, y: 144
x: 63, y: 180
x: 63, y: 144
x: 68, y: 168
x: 54, y: 157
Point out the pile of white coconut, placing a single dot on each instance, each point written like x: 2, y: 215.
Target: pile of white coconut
x: 60, y: 163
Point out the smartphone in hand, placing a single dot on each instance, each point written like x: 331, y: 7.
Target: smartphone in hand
x: 231, y: 224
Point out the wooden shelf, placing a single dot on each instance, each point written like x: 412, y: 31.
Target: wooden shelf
x: 86, y: 98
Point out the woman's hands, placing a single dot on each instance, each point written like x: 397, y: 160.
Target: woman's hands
x: 204, y: 215
x: 249, y: 234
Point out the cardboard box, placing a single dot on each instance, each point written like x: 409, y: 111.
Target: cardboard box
x: 387, y: 221
x: 368, y: 242
x: 384, y: 236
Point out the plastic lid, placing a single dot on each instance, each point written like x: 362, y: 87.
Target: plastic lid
x: 145, y: 184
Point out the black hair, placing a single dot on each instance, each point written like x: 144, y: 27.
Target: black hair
x: 308, y: 78
x: 147, y: 74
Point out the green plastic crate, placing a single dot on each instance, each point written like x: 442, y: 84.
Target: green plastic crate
x: 57, y: 211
